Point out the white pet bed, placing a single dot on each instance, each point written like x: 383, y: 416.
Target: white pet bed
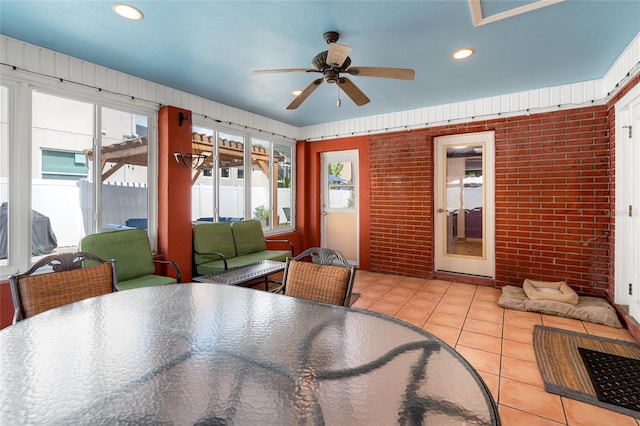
x: 544, y: 290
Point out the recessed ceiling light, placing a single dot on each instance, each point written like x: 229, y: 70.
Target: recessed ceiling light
x: 463, y: 53
x: 127, y: 11
x: 296, y: 92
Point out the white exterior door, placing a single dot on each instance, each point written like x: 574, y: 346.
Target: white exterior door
x: 340, y: 221
x: 464, y: 204
x: 627, y: 215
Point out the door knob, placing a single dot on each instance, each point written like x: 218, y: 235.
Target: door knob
x: 440, y: 210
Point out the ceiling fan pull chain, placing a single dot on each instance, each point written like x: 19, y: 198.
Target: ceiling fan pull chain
x: 338, y: 102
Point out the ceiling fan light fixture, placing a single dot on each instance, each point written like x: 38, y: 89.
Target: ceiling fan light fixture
x: 463, y: 53
x: 127, y: 11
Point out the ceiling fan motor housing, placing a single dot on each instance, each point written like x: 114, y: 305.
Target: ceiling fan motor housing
x: 319, y: 62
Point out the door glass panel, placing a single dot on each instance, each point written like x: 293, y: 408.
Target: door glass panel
x: 341, y: 186
x: 231, y: 173
x: 464, y: 201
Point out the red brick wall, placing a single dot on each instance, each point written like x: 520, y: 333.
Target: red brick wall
x: 552, y: 198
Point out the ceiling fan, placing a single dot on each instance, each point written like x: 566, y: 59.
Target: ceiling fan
x: 331, y: 63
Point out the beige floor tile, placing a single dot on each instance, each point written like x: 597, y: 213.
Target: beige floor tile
x: 519, y: 334
x: 443, y: 318
x: 479, y: 359
x: 398, y: 299
x: 485, y: 315
x: 493, y: 383
x: 513, y: 417
x: 456, y: 309
x: 518, y: 350
x: 412, y: 282
x: 436, y: 286
x: 522, y: 371
x: 483, y: 327
x: 480, y: 341
x: 387, y: 308
x: 513, y: 316
x: 531, y: 399
x: 487, y: 306
x: 418, y: 314
x: 448, y: 334
x: 582, y: 414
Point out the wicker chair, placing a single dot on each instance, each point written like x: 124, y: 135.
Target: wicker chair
x: 328, y: 278
x: 69, y: 282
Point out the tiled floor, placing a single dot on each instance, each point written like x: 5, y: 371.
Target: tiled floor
x: 497, y: 342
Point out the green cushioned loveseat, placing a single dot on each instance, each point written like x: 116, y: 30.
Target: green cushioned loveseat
x: 132, y: 251
x: 219, y: 246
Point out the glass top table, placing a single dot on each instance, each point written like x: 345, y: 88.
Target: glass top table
x: 227, y: 355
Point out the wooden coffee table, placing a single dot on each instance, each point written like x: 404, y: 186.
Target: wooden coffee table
x: 243, y: 274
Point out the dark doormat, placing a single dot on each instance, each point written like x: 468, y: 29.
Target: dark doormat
x: 562, y: 369
x: 616, y: 379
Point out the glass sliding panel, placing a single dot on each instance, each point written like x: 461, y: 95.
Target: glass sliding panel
x: 465, y: 200
x: 61, y: 188
x: 203, y: 194
x: 231, y: 187
x: 261, y: 172
x: 4, y: 175
x: 124, y: 173
x: 284, y: 196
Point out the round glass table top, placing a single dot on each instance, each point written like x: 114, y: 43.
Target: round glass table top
x: 224, y: 355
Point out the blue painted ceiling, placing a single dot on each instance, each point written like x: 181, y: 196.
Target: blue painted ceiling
x: 209, y: 48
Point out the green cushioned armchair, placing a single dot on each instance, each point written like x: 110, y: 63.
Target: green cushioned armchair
x: 131, y: 248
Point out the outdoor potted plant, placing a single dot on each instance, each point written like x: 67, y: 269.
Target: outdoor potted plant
x: 262, y: 213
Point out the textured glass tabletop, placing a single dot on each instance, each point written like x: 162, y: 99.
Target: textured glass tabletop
x: 222, y: 355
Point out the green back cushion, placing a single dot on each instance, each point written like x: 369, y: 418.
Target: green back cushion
x: 213, y: 237
x: 129, y: 247
x: 248, y: 236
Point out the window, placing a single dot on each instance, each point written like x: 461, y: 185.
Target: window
x: 64, y: 165
x: 264, y: 193
x: 125, y: 146
x: 62, y: 202
x: 71, y: 180
x: 261, y: 181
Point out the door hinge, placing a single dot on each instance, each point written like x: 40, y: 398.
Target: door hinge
x: 630, y: 210
x: 630, y: 128
x: 630, y: 289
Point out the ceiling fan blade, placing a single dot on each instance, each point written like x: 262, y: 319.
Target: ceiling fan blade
x: 337, y: 54
x: 305, y: 94
x: 399, y: 73
x: 283, y: 70
x: 352, y: 91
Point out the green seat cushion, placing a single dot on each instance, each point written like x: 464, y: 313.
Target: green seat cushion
x: 146, y: 281
x: 218, y: 266
x: 248, y: 237
x: 214, y: 237
x: 130, y: 247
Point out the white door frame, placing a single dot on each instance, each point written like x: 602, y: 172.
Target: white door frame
x: 627, y: 194
x: 337, y: 224
x: 445, y: 261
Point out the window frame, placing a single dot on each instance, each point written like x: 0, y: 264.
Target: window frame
x: 247, y: 137
x: 20, y: 127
